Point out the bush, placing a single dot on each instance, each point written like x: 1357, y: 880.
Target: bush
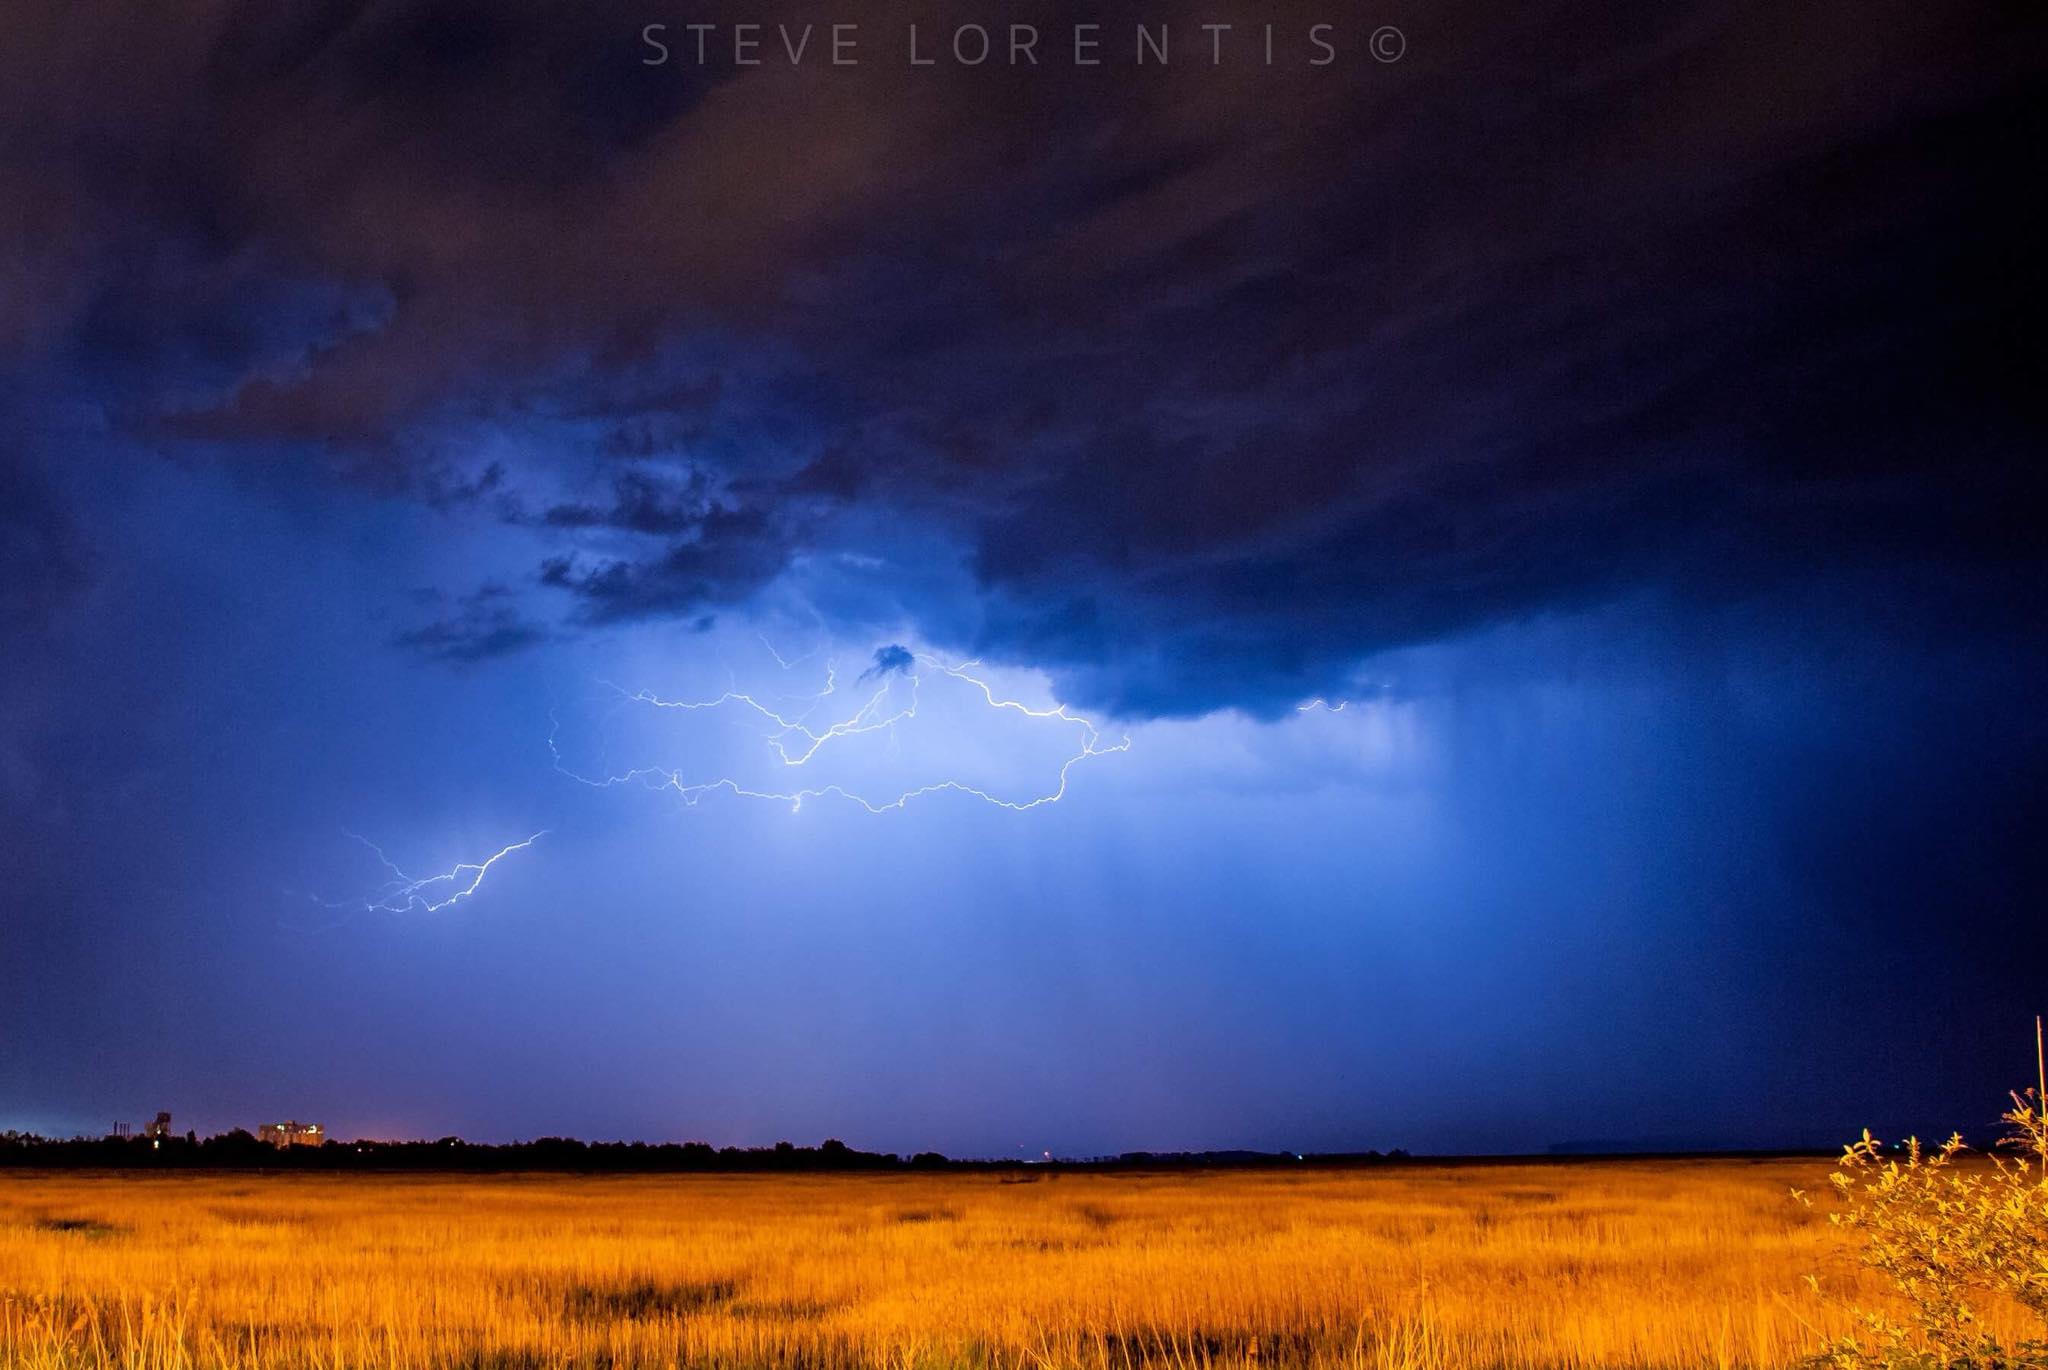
x: 1947, y: 1237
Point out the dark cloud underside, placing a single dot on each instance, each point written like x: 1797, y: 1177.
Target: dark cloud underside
x: 1210, y: 379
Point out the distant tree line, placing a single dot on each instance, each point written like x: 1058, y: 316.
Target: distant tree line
x: 239, y: 1150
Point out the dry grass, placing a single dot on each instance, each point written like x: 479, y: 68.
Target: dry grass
x: 1676, y: 1264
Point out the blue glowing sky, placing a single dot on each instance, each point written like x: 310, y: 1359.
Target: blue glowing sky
x: 1632, y: 423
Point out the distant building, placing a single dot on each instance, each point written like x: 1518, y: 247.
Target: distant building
x: 291, y: 1134
x: 160, y: 1129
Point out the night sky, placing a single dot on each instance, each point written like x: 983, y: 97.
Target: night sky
x: 1558, y: 518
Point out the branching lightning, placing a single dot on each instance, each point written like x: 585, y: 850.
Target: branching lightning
x: 795, y: 741
x: 796, y: 731
x: 404, y: 893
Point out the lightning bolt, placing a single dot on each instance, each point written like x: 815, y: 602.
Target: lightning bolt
x: 780, y: 660
x: 1320, y: 703
x: 795, y: 742
x: 794, y: 736
x: 404, y: 893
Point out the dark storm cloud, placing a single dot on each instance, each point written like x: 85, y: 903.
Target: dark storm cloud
x: 732, y: 554
x: 1216, y: 378
x: 484, y: 624
x: 893, y: 659
x: 641, y: 503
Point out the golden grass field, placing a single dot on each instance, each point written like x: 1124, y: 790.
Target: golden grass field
x: 1639, y: 1264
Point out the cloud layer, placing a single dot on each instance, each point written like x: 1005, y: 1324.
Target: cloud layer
x: 1193, y: 386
